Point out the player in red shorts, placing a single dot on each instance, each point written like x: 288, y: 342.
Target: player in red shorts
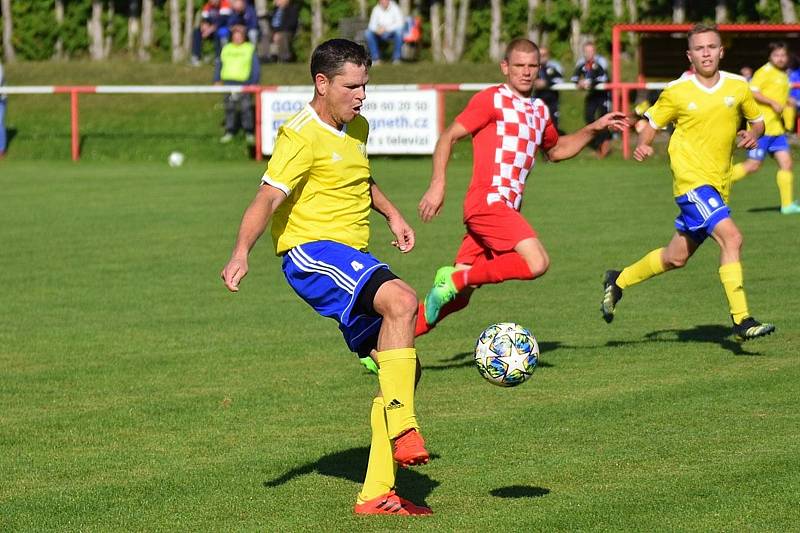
x: 507, y: 128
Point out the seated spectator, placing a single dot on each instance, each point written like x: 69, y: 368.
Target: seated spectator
x: 238, y: 65
x: 283, y: 25
x: 2, y: 117
x: 386, y: 23
x: 213, y: 25
x: 244, y: 14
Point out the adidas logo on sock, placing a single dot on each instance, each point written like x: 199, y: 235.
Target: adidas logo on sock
x: 395, y: 404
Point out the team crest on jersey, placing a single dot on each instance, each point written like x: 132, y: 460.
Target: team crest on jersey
x: 692, y: 106
x: 729, y: 101
x: 363, y: 149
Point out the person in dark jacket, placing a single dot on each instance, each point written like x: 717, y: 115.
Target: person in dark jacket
x: 591, y: 70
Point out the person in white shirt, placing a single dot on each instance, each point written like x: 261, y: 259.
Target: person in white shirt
x: 385, y: 24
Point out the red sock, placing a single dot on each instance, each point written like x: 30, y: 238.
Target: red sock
x: 461, y: 301
x: 487, y: 271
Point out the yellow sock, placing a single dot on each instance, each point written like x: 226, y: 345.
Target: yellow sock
x: 785, y: 181
x: 738, y: 172
x: 645, y: 268
x: 732, y: 280
x: 396, y: 373
x: 381, y: 468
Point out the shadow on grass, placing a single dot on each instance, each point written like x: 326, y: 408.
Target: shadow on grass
x: 519, y: 491
x: 351, y: 464
x: 706, y: 333
x: 764, y: 209
x: 465, y: 359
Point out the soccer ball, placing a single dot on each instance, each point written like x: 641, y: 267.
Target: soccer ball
x: 506, y: 354
x: 176, y: 159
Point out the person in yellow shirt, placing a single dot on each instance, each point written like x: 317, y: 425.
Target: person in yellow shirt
x: 318, y: 191
x: 706, y: 108
x: 770, y: 86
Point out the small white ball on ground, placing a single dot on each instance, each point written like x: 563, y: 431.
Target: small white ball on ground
x: 176, y: 159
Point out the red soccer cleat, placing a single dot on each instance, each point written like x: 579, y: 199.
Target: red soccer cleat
x: 391, y: 503
x: 409, y: 449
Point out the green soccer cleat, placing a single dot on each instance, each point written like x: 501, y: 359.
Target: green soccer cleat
x: 443, y: 291
x: 611, y: 295
x: 750, y: 328
x: 791, y: 209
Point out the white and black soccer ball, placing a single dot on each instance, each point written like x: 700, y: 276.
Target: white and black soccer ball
x: 506, y: 354
x: 176, y: 159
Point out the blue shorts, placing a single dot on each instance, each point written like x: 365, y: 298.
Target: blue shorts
x: 329, y: 276
x: 701, y: 210
x: 768, y: 144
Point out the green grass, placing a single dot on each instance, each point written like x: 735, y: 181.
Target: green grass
x: 138, y: 394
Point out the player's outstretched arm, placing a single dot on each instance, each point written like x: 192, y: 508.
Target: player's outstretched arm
x: 254, y: 222
x: 644, y: 147
x: 432, y: 201
x: 404, y: 238
x: 569, y: 145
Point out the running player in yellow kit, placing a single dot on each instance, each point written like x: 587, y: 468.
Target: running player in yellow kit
x: 706, y: 108
x: 770, y: 86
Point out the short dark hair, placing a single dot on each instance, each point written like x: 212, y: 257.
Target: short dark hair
x: 777, y: 45
x: 702, y: 28
x: 329, y: 57
x: 521, y: 44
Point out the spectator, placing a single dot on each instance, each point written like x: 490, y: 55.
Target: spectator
x: 2, y: 116
x: 213, y: 25
x: 550, y: 73
x: 283, y: 25
x: 590, y: 70
x: 244, y: 14
x: 386, y: 23
x: 238, y: 65
x: 746, y: 72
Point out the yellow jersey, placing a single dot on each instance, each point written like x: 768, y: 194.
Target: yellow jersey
x: 774, y: 84
x: 325, y: 175
x: 706, y: 120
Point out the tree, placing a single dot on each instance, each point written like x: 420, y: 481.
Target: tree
x: 188, y: 24
x: 317, y: 24
x: 436, y: 32
x: 495, y: 44
x: 58, y: 50
x: 175, y: 30
x: 94, y: 28
x: 788, y: 12
x: 721, y: 12
x: 532, y: 29
x: 455, y: 29
x: 8, y: 30
x: 679, y: 11
x: 147, y: 30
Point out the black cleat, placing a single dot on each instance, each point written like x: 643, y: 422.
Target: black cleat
x: 750, y: 328
x: 611, y: 295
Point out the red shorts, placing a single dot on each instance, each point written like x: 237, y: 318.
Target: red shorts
x: 491, y: 231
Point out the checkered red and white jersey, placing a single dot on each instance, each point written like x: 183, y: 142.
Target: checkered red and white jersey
x: 506, y: 132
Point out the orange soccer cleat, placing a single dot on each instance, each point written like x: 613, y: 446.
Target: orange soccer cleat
x: 391, y: 503
x: 409, y: 449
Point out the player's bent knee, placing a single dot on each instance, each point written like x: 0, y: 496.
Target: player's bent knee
x: 672, y: 262
x: 395, y: 299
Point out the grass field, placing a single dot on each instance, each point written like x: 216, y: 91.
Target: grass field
x: 137, y: 394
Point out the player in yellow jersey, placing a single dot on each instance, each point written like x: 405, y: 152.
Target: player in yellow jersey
x: 770, y: 86
x: 318, y: 191
x: 706, y: 108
